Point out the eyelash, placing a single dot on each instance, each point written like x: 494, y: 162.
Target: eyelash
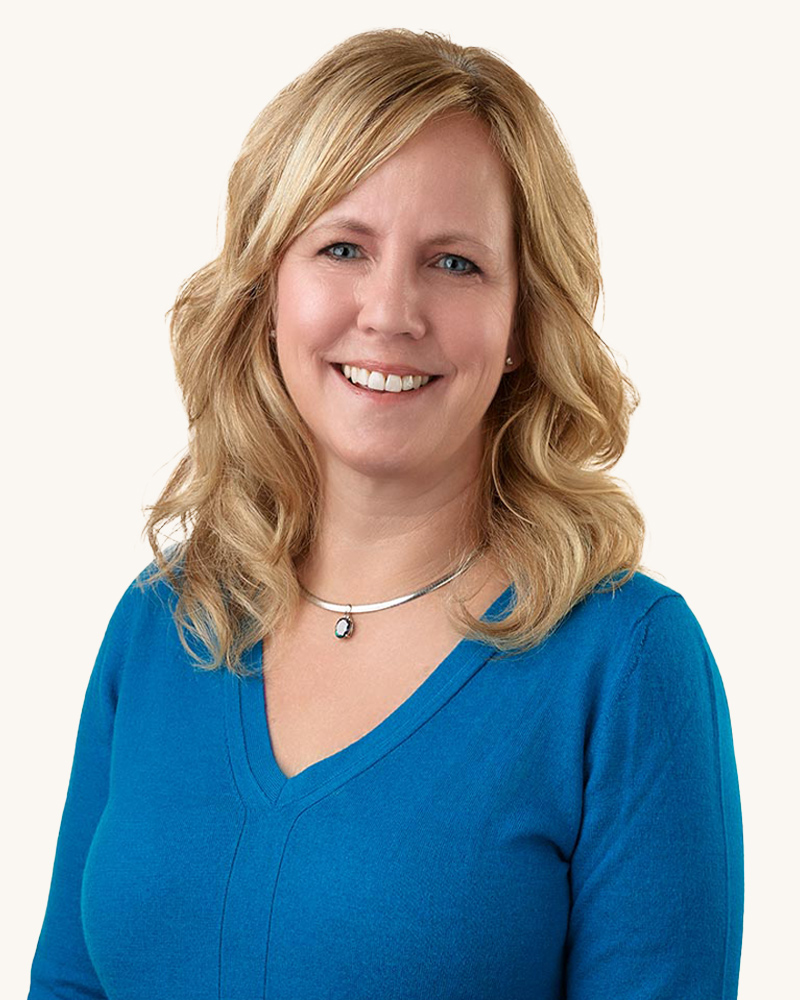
x: 474, y: 269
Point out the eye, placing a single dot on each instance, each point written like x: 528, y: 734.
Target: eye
x: 458, y: 265
x: 451, y: 262
x: 334, y: 251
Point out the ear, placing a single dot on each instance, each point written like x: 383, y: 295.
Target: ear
x: 513, y: 351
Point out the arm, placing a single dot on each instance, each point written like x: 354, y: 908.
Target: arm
x: 657, y: 874
x: 61, y: 965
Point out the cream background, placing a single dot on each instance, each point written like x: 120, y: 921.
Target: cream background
x: 121, y: 123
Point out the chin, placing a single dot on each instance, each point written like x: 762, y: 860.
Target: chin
x: 380, y: 463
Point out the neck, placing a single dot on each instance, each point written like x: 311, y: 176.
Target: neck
x: 380, y: 539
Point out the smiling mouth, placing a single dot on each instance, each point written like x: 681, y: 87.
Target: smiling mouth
x: 376, y: 382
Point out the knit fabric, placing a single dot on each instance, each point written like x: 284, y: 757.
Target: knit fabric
x: 561, y: 823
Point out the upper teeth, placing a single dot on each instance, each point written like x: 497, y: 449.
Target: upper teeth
x: 388, y: 383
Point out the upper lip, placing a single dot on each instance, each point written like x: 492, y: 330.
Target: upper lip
x: 384, y: 366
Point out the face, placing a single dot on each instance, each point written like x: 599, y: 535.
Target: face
x: 414, y: 271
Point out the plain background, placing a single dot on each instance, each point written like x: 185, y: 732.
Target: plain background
x: 121, y: 124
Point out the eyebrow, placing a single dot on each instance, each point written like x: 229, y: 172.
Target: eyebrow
x: 353, y: 225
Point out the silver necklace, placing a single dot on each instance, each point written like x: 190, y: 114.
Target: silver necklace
x: 345, y: 626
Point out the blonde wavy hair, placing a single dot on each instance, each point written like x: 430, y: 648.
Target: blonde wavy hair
x: 246, y: 493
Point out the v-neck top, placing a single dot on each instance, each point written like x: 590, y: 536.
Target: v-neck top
x: 250, y: 719
x: 562, y: 823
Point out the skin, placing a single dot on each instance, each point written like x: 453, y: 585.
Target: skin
x: 398, y: 478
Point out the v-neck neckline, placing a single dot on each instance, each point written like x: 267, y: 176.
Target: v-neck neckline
x: 252, y: 756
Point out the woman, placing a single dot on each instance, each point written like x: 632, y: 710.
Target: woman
x: 402, y: 716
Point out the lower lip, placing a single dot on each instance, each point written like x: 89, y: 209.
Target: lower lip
x: 386, y: 397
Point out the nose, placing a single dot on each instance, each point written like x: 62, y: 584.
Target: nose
x: 389, y: 299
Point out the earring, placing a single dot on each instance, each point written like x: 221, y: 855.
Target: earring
x: 509, y: 360
x: 273, y: 334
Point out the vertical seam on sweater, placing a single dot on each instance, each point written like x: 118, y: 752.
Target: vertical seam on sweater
x: 275, y: 882
x: 633, y: 658
x: 240, y: 796
x: 725, y: 834
x: 225, y: 903
x: 635, y: 655
x: 634, y: 662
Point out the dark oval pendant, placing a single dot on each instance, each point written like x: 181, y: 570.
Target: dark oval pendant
x: 344, y: 628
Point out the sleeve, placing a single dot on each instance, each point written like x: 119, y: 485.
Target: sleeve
x: 61, y: 965
x: 657, y: 872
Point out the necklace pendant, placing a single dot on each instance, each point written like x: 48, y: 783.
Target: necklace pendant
x: 344, y: 626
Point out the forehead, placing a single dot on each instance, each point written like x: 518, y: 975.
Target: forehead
x: 447, y: 179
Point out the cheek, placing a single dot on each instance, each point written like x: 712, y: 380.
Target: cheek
x: 310, y: 302
x: 476, y: 332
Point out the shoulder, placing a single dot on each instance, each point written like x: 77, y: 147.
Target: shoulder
x: 138, y: 636
x: 617, y: 615
x: 139, y: 616
x: 641, y: 628
x: 143, y: 612
x: 652, y: 641
x: 630, y: 601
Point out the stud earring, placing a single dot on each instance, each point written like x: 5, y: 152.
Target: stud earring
x: 273, y: 334
x: 509, y: 360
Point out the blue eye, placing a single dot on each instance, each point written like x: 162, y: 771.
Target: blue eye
x: 330, y: 251
x: 450, y: 262
x: 470, y: 267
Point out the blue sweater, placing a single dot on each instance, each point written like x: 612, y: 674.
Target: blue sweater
x: 562, y: 823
